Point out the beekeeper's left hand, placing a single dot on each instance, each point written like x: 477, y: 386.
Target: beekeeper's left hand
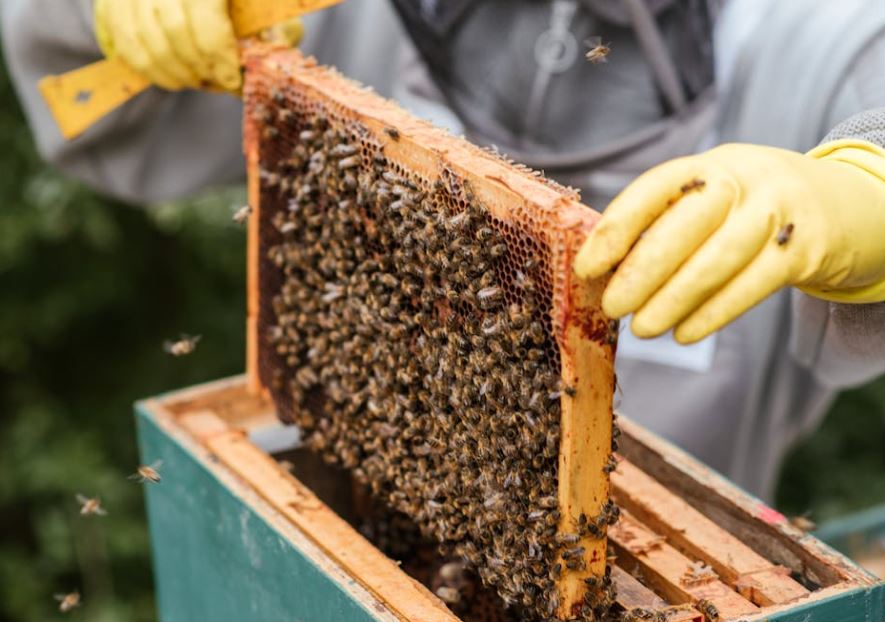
x: 699, y: 240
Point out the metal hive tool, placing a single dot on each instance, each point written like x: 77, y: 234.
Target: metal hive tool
x: 412, y: 307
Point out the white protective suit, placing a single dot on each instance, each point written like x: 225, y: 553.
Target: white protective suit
x: 512, y: 73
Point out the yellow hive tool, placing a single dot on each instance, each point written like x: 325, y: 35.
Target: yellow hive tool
x: 79, y: 98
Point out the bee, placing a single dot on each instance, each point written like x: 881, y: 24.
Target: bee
x: 348, y: 163
x: 711, y: 613
x: 90, y: 506
x: 574, y: 552
x: 342, y: 151
x: 498, y: 250
x: 284, y: 114
x: 568, y: 389
x: 552, y: 605
x: 803, y: 522
x: 67, y: 602
x: 610, y: 465
x: 598, y: 52
x: 535, y: 515
x: 146, y: 473
x: 242, y: 214
x: 608, y: 515
x: 489, y: 297
x: 694, y: 185
x: 556, y: 571
x: 484, y: 233
x: 270, y: 178
x: 612, y: 336
x: 548, y: 502
x: 184, y: 345
x: 784, y: 234
x: 637, y: 614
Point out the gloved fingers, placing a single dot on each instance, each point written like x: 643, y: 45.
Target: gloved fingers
x: 174, y: 18
x: 214, y: 36
x: 633, y: 211
x: 731, y: 248
x: 156, y: 41
x: 671, y: 239
x: 766, y: 274
x: 128, y: 44
x: 102, y: 14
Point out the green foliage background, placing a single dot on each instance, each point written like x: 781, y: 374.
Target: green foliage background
x: 89, y: 289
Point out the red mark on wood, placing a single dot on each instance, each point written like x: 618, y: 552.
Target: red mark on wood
x: 770, y: 515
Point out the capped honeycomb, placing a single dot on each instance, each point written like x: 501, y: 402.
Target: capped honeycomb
x: 413, y: 309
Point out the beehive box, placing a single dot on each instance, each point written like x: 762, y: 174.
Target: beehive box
x: 237, y: 536
x: 414, y: 310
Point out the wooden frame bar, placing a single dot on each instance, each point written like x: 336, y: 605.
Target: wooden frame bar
x: 668, y: 570
x: 751, y: 521
x: 695, y: 535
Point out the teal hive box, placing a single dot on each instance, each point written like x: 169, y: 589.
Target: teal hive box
x: 236, y: 537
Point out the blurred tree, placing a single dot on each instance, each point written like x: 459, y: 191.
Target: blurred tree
x: 90, y: 290
x: 841, y: 467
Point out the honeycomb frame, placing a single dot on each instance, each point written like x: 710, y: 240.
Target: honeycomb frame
x: 511, y: 194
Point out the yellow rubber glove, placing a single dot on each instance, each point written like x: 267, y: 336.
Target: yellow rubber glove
x: 176, y: 44
x: 702, y: 239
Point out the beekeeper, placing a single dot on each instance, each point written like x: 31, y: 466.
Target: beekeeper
x: 768, y: 260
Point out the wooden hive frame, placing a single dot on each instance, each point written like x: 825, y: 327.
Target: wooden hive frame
x: 679, y: 513
x: 585, y: 338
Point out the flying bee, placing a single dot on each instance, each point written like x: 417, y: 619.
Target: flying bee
x: 783, y: 236
x: 242, y: 214
x: 185, y: 345
x: 67, y: 602
x: 392, y: 132
x: 148, y: 473
x: 90, y: 506
x: 598, y: 52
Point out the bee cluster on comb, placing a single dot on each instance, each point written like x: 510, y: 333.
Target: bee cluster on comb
x: 416, y: 331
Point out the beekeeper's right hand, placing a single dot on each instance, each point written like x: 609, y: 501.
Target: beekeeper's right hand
x: 176, y: 44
